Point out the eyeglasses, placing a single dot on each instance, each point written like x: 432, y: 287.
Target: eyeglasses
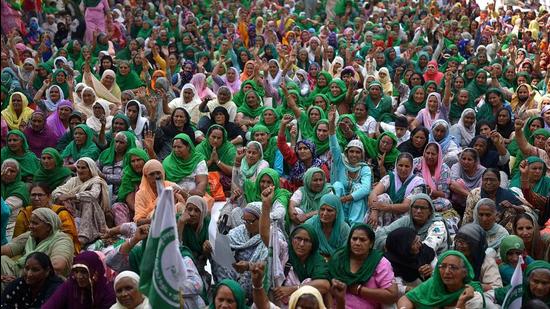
x: 416, y: 207
x: 249, y: 222
x: 300, y: 240
x: 450, y: 267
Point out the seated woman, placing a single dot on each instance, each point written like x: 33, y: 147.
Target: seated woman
x: 329, y: 225
x: 300, y: 159
x: 193, y: 227
x: 228, y: 291
x: 41, y: 197
x: 190, y: 101
x: 179, y: 123
x: 498, y: 158
x: 381, y: 153
x: 535, y: 145
x: 17, y: 114
x: 223, y: 99
x: 248, y: 114
x: 86, y: 196
x: 305, y: 202
x: 451, y: 285
x: 414, y: 104
x: 320, y: 139
x: 433, y: 111
x: 82, y: 146
x: 110, y: 162
x: 423, y: 218
x: 106, y: 88
x: 440, y: 133
x: 45, y: 236
x: 417, y: 142
x: 138, y: 123
x: 74, y: 119
x: 350, y: 176
x: 272, y: 155
x: 271, y: 119
x: 249, y: 162
x: 537, y: 178
x: 86, y: 286
x: 485, y: 215
x: 51, y: 170
x: 101, y: 118
x: 132, y: 172
x: 536, y: 245
x: 511, y: 248
x: 14, y: 192
x: 186, y: 166
x: 412, y: 261
x: 128, y: 295
x: 465, y: 176
x: 220, y: 116
x: 389, y: 200
x: 471, y: 240
x: 219, y: 153
x: 18, y: 150
x: 35, y: 286
x: 465, y: 130
x: 539, y: 202
x: 366, y: 272
x: 506, y: 202
x: 38, y: 134
x: 536, y: 272
x: 85, y: 105
x: 53, y: 95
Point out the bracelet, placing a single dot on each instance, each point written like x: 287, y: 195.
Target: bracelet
x: 218, y: 163
x: 358, y: 290
x: 256, y: 288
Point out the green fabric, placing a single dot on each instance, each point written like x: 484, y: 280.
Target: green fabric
x: 432, y: 293
x: 542, y: 187
x: 412, y: 107
x: 64, y: 86
x: 476, y: 90
x: 16, y: 188
x: 455, y: 112
x: 337, y: 99
x: 307, y: 129
x: 226, y: 152
x: 54, y: 178
x: 320, y: 146
x: 342, y: 140
x: 177, y: 168
x: 247, y: 110
x: 249, y: 171
x: 89, y: 149
x: 506, y: 83
x: 129, y: 81
x: 274, y: 127
x: 271, y: 149
x: 314, y: 267
x: 238, y: 293
x: 513, y: 147
x: 508, y: 243
x: 130, y: 178
x: 373, y: 151
x: 340, y: 267
x: 239, y: 97
x: 193, y: 239
x: 381, y: 112
x: 91, y: 3
x: 39, y: 81
x: 253, y: 193
x: 28, y: 162
x: 399, y: 195
x: 107, y: 157
x: 500, y: 293
x: 321, y: 90
x: 311, y: 200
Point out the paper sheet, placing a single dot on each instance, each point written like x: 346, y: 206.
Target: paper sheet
x: 222, y: 251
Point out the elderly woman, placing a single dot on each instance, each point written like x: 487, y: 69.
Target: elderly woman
x: 35, y: 286
x: 88, y: 99
x: 101, y: 118
x: 164, y: 135
x: 423, y: 218
x: 45, y: 236
x: 106, y: 88
x: 440, y: 133
x: 38, y: 134
x: 14, y: 192
x: 86, y: 286
x: 272, y: 155
x: 86, y: 196
x: 219, y: 152
x: 127, y: 292
x: 17, y: 114
x: 54, y: 95
x: 249, y: 162
x: 465, y: 176
x: 226, y: 292
x: 452, y: 285
x: 82, y: 146
x: 485, y: 215
x: 248, y: 114
x: 306, y: 201
x: 18, y: 150
x: 534, y: 274
x: 190, y: 101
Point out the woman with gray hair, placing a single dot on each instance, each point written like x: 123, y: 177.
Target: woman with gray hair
x: 127, y: 292
x: 485, y: 215
x: 14, y: 192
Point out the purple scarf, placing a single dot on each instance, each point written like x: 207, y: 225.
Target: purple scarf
x: 54, y: 124
x: 41, y: 139
x: 299, y: 168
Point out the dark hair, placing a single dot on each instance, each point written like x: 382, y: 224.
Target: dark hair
x: 366, y: 229
x: 472, y: 151
x: 401, y: 122
x: 43, y: 259
x: 482, y: 123
x: 523, y: 216
x: 405, y: 155
x: 492, y: 170
x: 42, y: 185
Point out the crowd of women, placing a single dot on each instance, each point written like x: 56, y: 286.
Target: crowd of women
x: 354, y: 154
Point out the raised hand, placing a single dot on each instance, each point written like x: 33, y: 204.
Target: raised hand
x: 268, y: 193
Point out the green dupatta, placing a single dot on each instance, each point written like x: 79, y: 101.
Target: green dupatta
x: 89, y: 149
x: 271, y: 150
x: 226, y: 152
x: 108, y: 156
x: 177, y: 168
x: 373, y: 151
x: 311, y: 201
x: 337, y: 99
x: 16, y: 188
x: 236, y: 289
x: 542, y: 187
x: 28, y: 162
x: 314, y: 267
x: 55, y: 177
x: 252, y: 190
x: 129, y: 81
x: 307, y: 129
x: 381, y: 112
x: 274, y: 127
x: 321, y: 147
x: 130, y: 178
x: 64, y: 86
x: 247, y: 110
x: 411, y: 107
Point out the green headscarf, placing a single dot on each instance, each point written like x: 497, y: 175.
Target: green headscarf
x: 192, y: 238
x: 542, y: 187
x: 455, y: 112
x: 253, y: 193
x: 342, y: 140
x: 373, y: 151
x: 64, y: 86
x: 247, y: 110
x: 486, y: 111
x: 339, y: 264
x: 109, y: 135
x: 500, y: 293
x: 57, y: 175
x: 28, y: 162
x: 38, y: 80
x: 129, y: 81
x: 314, y: 266
x: 469, y: 67
x: 508, y: 243
x: 513, y: 147
x: 226, y: 151
x: 311, y: 200
x: 89, y: 149
x: 506, y: 83
x: 177, y: 168
x: 107, y: 157
x: 412, y: 107
x: 321, y: 90
x: 307, y: 129
x: 433, y: 293
x: 130, y: 178
x: 476, y: 90
x: 271, y: 149
x: 381, y: 112
x: 16, y: 188
x: 236, y: 289
x: 340, y: 229
x: 338, y: 99
x: 239, y: 97
x: 320, y: 146
x: 274, y: 127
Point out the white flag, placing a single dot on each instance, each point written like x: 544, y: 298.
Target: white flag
x: 514, y: 298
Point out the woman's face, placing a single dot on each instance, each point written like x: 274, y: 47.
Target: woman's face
x: 265, y: 182
x: 15, y: 143
x: 322, y: 131
x: 335, y: 90
x: 54, y: 94
x: 485, y: 130
x: 224, y: 95
x: 386, y: 144
x: 137, y: 164
x: 360, y: 243
x: 180, y: 149
x: 321, y: 103
x: 261, y: 137
x: 317, y: 182
x: 462, y: 246
x: 307, y: 301
x: 188, y: 95
x: 452, y: 272
x: 252, y: 100
x: 231, y: 75
x: 415, y: 80
x: 313, y: 70
x: 119, y: 125
x: 82, y: 277
x: 108, y: 81
x: 273, y: 68
x: 431, y: 155
x: 354, y: 155
x: 418, y: 96
x: 304, y: 153
x: 251, y: 223
x: 98, y: 110
x: 179, y: 119
x: 47, y: 161
x: 194, y: 214
x: 327, y: 214
x: 132, y: 112
x: 546, y: 116
x: 421, y: 212
x: 60, y: 78
x: 88, y: 97
x: 249, y: 69
x: 215, y: 138
x: 360, y: 111
x: 459, y: 83
x: 539, y: 284
x: 269, y: 117
x: 503, y: 117
x: 439, y: 132
x: 64, y: 112
x: 252, y: 155
x: 301, y: 243
x: 431, y: 88
x: 419, y: 139
x: 321, y: 80
x: 124, y: 69
x: 39, y: 197
x: 535, y: 125
x: 481, y: 146
x: 39, y: 229
x: 494, y: 100
x: 17, y: 103
x: 433, y: 104
x: 225, y: 299
x: 315, y: 115
x: 468, y: 162
x: 106, y: 63
x: 490, y: 182
x: 34, y: 274
x: 536, y: 170
x: 83, y: 171
x: 524, y: 229
x: 487, y: 216
x: 121, y: 143
x: 469, y: 120
x: 404, y: 168
x: 127, y: 293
